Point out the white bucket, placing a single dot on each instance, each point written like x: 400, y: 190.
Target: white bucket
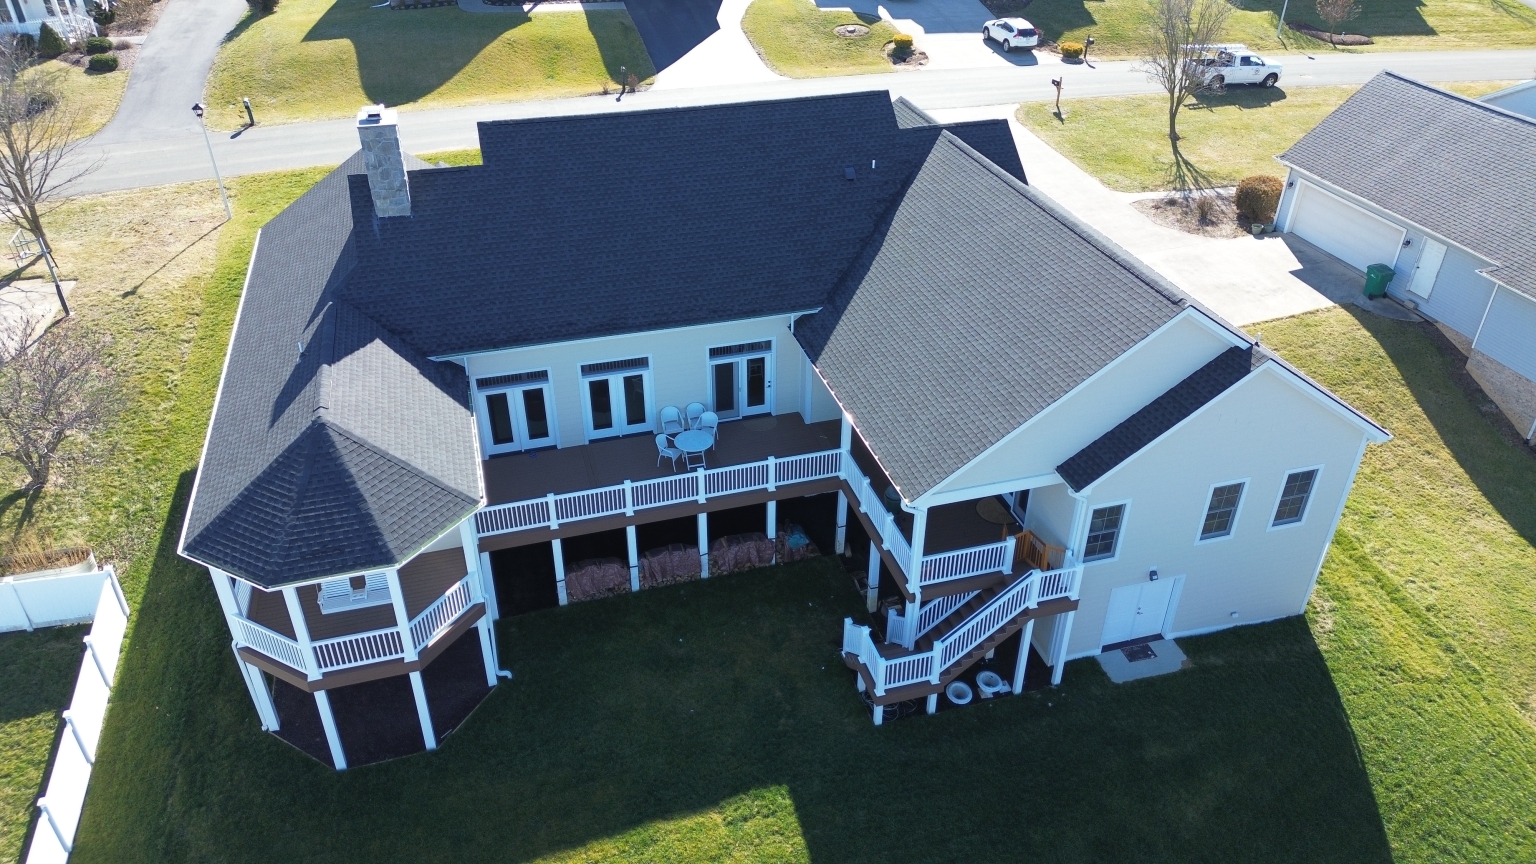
x: 958, y: 692
x: 991, y: 684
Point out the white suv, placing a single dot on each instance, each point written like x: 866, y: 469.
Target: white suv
x: 1235, y: 64
x: 1011, y: 33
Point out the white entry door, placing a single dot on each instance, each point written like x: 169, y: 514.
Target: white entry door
x: 1136, y: 611
x: 1428, y: 268
x: 518, y: 419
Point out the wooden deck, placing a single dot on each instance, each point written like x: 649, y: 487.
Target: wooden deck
x: 423, y: 579
x: 521, y: 476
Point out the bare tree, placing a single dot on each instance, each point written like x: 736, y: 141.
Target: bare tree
x: 39, y: 133
x: 55, y: 385
x: 1173, y: 42
x: 1335, y: 13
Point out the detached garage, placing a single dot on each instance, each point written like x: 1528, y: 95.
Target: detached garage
x: 1343, y: 230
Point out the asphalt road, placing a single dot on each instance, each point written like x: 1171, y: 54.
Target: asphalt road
x: 180, y: 158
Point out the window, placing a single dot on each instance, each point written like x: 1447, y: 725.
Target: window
x: 616, y: 397
x: 1104, y: 532
x: 1222, y: 511
x: 1293, y: 498
x: 517, y: 412
x: 355, y: 592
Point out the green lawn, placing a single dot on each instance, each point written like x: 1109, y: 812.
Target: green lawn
x: 713, y: 722
x: 1123, y: 140
x: 37, y: 676
x: 1396, y: 25
x: 96, y: 96
x: 796, y: 39
x: 316, y: 59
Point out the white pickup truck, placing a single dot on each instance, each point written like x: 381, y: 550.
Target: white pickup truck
x: 1235, y: 64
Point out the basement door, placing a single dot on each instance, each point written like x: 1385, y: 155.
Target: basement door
x: 1136, y: 611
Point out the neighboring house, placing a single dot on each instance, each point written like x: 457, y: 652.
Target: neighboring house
x: 1520, y: 99
x: 69, y: 18
x: 444, y: 388
x: 1446, y: 198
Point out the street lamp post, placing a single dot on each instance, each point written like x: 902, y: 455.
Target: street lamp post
x: 197, y: 108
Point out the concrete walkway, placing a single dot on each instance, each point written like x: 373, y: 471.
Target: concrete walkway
x: 725, y: 58
x: 1242, y: 279
x: 170, y: 71
x: 34, y: 299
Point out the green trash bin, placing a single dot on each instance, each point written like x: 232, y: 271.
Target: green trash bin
x: 1376, y: 278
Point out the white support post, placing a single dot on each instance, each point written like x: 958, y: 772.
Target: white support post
x: 266, y: 709
x: 703, y: 541
x: 702, y: 496
x: 634, y: 557
x: 332, y: 737
x: 559, y: 570
x: 842, y: 523
x: 15, y: 592
x: 773, y: 527
x: 487, y: 650
x: 919, y: 537
x: 301, y: 632
x: 911, y: 613
x: 423, y: 713
x: 879, y: 714
x: 933, y: 703
x: 69, y: 720
x: 1064, y: 636
x: 873, y: 599
x: 1018, y: 670
x: 845, y: 440
x: 402, y: 620
x: 478, y: 565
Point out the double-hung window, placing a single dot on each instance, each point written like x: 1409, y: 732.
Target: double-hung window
x: 1104, y: 532
x: 1294, y: 496
x: 1221, y: 512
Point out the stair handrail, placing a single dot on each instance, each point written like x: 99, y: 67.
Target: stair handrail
x: 981, y: 624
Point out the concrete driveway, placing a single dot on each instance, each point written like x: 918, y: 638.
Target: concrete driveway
x: 948, y: 31
x: 170, y: 71
x: 725, y: 56
x: 1243, y: 279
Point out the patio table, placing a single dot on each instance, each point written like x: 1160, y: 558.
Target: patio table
x: 693, y: 443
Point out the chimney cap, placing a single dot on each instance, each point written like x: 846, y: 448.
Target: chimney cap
x: 376, y: 115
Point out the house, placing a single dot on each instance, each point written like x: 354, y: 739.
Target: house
x: 1446, y: 201
x: 449, y: 394
x: 1520, y: 99
x: 69, y: 18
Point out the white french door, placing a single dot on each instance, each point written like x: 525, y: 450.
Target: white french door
x: 517, y: 417
x: 617, y: 397
x: 741, y: 386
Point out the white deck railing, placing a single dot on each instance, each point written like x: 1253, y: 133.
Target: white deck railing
x: 927, y: 667
x: 624, y: 499
x: 359, y: 649
x: 961, y: 563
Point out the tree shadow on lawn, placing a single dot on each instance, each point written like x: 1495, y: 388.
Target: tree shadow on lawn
x: 642, y: 708
x: 1485, y: 444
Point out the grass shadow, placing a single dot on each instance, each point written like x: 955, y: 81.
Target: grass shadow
x: 620, y: 45
x: 1186, y: 177
x: 1484, y: 443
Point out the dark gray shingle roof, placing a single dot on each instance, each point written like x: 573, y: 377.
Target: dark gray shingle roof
x: 978, y: 303
x: 349, y: 456
x: 595, y: 225
x: 1456, y: 166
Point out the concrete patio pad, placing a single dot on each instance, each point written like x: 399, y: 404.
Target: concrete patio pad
x: 1243, y: 279
x: 1166, y: 657
x: 33, y: 298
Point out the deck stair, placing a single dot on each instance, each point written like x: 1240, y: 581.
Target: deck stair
x: 972, y: 625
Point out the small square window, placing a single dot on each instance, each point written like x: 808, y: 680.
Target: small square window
x: 1293, y: 498
x: 1221, y: 512
x: 1104, y: 532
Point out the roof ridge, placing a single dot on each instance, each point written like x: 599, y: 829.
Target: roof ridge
x: 361, y: 441
x: 673, y: 109
x: 1476, y: 103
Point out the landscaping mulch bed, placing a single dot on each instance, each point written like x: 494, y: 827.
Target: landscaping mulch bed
x: 1179, y: 212
x: 53, y: 559
x: 913, y: 60
x: 1344, y: 39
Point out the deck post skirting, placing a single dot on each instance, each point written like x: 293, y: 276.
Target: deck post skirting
x: 332, y: 737
x: 423, y: 713
x: 559, y: 569
x: 1018, y: 669
x: 842, y: 520
x: 703, y: 545
x: 772, y: 530
x: 872, y: 601
x: 301, y: 631
x: 402, y: 620
x: 487, y: 650
x: 634, y: 557
x: 1061, y: 637
x: 933, y: 703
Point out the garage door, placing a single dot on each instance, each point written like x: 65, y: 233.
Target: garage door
x: 1344, y: 230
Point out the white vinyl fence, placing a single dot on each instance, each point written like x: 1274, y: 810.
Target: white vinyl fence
x: 60, y: 805
x: 51, y: 598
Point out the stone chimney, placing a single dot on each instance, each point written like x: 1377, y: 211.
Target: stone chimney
x: 379, y: 130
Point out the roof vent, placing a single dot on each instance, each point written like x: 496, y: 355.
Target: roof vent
x: 848, y: 173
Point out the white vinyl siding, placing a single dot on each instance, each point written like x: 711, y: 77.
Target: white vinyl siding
x: 1342, y: 229
x: 1508, y: 334
x: 1461, y: 293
